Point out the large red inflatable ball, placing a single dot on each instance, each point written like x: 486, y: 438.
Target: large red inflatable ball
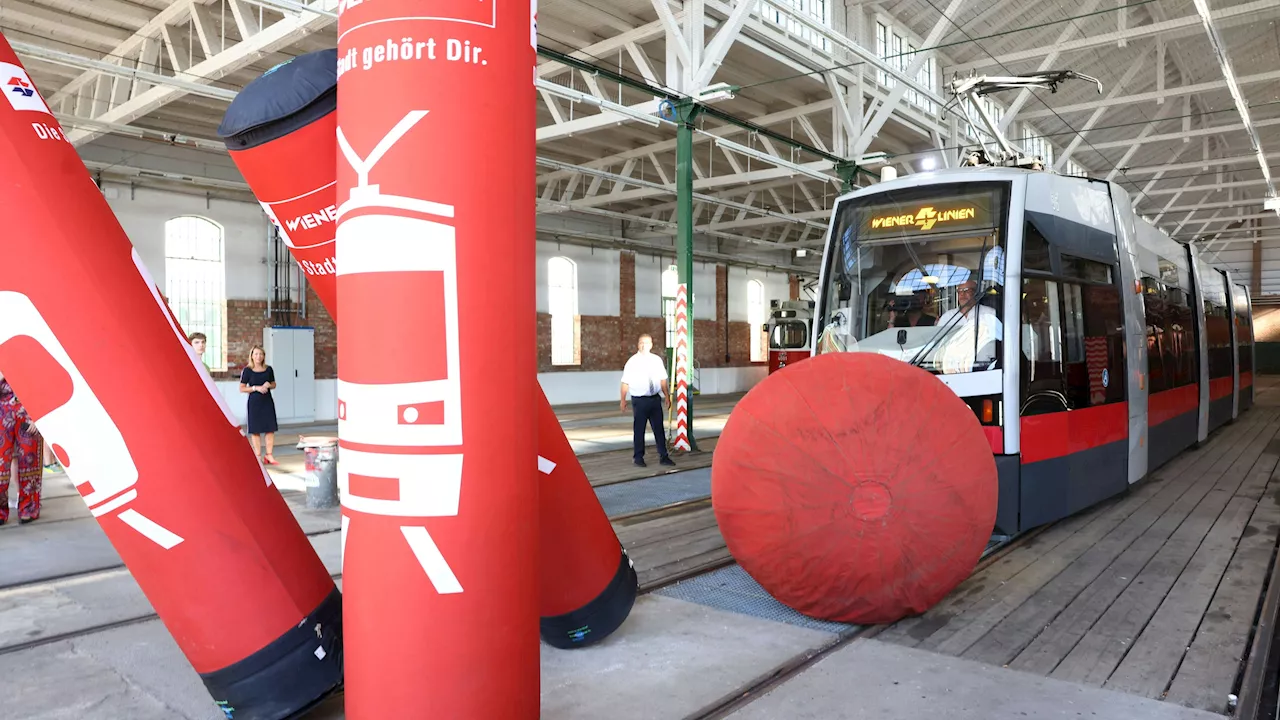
x: 854, y: 488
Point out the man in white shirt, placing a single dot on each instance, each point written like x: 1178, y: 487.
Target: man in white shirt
x: 957, y: 350
x: 644, y: 380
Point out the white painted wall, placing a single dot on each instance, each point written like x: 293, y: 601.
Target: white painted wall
x: 143, y: 213
x: 776, y: 287
x: 649, y: 269
x: 597, y: 277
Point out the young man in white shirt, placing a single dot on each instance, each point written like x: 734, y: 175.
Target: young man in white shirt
x: 644, y: 380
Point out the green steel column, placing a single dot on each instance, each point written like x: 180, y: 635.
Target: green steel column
x: 687, y: 112
x: 847, y: 171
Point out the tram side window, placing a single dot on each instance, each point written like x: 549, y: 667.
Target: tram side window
x: 1171, y: 348
x: 1218, y: 333
x: 1072, y: 346
x: 1035, y: 250
x: 1158, y: 374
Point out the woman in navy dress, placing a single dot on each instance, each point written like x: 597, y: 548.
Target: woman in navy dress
x: 258, y: 379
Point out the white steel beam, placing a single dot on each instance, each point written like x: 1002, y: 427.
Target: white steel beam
x: 642, y: 34
x: 900, y: 89
x: 1212, y: 162
x: 67, y: 59
x: 1214, y: 130
x: 175, y: 13
x: 720, y: 44
x: 672, y: 26
x: 1225, y: 17
x: 1209, y: 188
x: 1149, y: 128
x: 1146, y: 189
x: 278, y: 35
x: 1067, y: 33
x: 1125, y: 79
x: 1157, y: 96
x: 1242, y: 106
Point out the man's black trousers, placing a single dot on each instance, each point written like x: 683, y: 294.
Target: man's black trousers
x: 647, y: 409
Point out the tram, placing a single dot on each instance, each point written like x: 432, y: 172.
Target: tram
x: 789, y: 329
x: 1092, y: 347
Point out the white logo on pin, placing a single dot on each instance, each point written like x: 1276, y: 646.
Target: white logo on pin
x: 19, y: 90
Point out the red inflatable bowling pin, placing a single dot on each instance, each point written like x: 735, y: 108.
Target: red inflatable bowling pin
x: 99, y: 363
x: 435, y: 400
x: 281, y: 131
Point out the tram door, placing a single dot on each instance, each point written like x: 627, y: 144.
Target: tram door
x: 1074, y: 414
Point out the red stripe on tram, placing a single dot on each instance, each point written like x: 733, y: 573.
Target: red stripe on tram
x: 1169, y: 404
x: 1220, y: 388
x: 1054, y: 435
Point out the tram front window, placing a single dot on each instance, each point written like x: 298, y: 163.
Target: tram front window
x: 789, y: 335
x: 918, y: 275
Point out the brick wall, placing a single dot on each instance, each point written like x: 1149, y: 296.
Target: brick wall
x: 247, y: 318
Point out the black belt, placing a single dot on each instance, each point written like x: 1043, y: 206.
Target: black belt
x: 637, y: 397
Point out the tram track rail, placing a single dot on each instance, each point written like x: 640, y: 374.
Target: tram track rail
x: 107, y: 571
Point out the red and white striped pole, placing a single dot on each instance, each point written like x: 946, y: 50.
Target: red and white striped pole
x: 100, y: 365
x: 682, y: 368
x: 435, y: 256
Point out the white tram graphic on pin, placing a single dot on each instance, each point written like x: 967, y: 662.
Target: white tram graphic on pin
x: 91, y: 447
x: 414, y: 236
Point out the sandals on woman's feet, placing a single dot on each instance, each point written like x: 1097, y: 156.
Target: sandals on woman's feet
x: 271, y: 460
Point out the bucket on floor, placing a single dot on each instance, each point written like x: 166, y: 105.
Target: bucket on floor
x: 321, y: 455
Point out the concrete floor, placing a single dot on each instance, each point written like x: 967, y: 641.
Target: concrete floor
x: 671, y: 660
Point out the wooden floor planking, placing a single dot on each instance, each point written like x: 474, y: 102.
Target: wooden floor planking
x: 673, y: 543
x: 1064, y: 631
x: 984, y: 586
x: 1208, y: 670
x: 1060, y: 625
x: 615, y: 466
x: 1109, y: 639
x: 963, y: 631
x: 1152, y: 593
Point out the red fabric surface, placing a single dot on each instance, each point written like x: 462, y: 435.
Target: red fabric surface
x: 854, y: 488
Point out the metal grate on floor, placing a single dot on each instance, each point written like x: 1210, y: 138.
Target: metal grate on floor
x: 732, y: 589
x: 654, y: 492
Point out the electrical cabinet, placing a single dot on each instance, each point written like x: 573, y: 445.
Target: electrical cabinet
x: 291, y: 352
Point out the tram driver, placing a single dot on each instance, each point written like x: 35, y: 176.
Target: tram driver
x: 972, y: 331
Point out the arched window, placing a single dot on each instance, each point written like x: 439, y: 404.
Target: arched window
x: 757, y: 319
x: 195, y: 282
x: 562, y: 303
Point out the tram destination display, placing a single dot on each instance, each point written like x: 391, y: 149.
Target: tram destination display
x: 938, y: 213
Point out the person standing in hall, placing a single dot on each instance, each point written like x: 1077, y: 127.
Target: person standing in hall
x: 20, y: 445
x: 258, y: 379
x: 644, y: 379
